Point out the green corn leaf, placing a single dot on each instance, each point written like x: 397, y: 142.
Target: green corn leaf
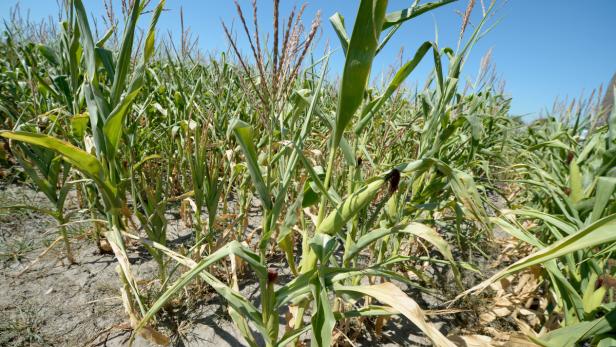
x: 387, y: 37
x: 148, y: 47
x: 549, y: 144
x: 516, y: 232
x: 113, y: 127
x: 338, y: 275
x: 242, y: 325
x: 370, y: 311
x: 297, y: 288
x: 337, y: 21
x: 417, y: 229
x: 604, y: 191
x: 233, y: 298
x: 401, y: 16
x: 311, y: 196
x: 244, y: 136
x: 323, y: 320
x: 551, y: 266
x: 49, y: 53
x: 395, y: 83
x: 420, y: 230
x: 79, y: 125
x: 146, y: 159
x: 570, y: 335
x: 289, y: 337
x: 123, y: 63
x: 87, y: 42
x: 596, y: 234
x: 589, y: 146
x: 86, y: 163
x: 463, y: 186
x: 101, y: 43
x: 611, y: 124
x: 362, y: 48
x: 30, y: 166
x: 555, y: 221
x: 323, y: 246
x: 607, y: 341
x: 593, y: 297
x: 105, y: 57
x: 61, y: 84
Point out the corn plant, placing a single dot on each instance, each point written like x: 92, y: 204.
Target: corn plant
x: 320, y: 275
x: 573, y: 179
x: 352, y: 185
x: 51, y: 175
x: 107, y: 106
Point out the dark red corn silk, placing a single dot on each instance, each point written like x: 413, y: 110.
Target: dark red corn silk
x: 567, y: 191
x: 272, y: 275
x: 599, y: 283
x: 394, y: 179
x: 569, y: 157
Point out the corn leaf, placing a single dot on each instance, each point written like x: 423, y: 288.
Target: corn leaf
x: 244, y: 136
x: 362, y: 48
x: 593, y: 235
x: 81, y: 160
x: 403, y: 15
x: 391, y: 295
x: 126, y: 49
x: 605, y: 190
x: 395, y: 83
x: 570, y: 335
x: 234, y: 298
x: 337, y: 21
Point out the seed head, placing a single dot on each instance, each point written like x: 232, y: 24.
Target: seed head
x: 467, y: 16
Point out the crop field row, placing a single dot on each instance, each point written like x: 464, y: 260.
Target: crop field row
x: 249, y: 190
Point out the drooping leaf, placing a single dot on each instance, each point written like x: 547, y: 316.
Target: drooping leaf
x: 401, y: 16
x: 596, y: 234
x: 391, y: 295
x: 85, y: 162
x: 338, y: 23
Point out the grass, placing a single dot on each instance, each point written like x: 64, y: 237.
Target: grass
x: 357, y: 185
x: 15, y: 250
x: 21, y: 326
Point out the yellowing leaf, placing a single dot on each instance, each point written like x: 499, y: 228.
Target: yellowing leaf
x: 391, y: 295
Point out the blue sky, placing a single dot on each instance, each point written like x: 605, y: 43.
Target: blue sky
x: 543, y: 49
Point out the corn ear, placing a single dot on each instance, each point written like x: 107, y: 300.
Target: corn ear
x: 334, y: 222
